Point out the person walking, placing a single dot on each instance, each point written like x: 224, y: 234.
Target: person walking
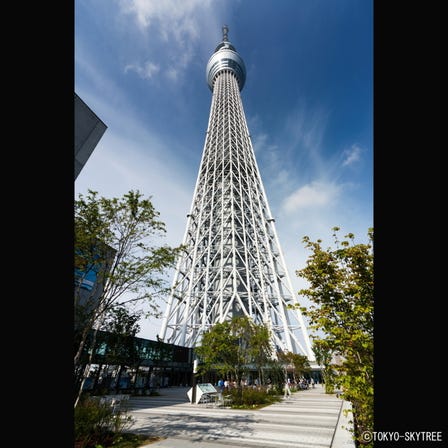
x: 287, y: 388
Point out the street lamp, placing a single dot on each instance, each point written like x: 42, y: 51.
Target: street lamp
x: 193, y: 392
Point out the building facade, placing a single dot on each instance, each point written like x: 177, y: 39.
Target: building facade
x: 88, y: 131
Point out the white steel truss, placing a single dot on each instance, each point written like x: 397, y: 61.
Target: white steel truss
x: 233, y: 264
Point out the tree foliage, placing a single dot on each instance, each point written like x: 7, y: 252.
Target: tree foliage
x: 122, y: 325
x: 341, y: 287
x: 299, y: 363
x: 324, y: 358
x: 116, y: 260
x: 121, y: 321
x: 233, y: 347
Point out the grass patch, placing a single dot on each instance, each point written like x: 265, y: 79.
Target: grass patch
x: 123, y: 440
x: 130, y: 440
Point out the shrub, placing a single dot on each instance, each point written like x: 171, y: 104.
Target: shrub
x: 251, y: 397
x: 97, y: 423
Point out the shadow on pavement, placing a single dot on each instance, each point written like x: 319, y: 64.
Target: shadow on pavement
x: 197, y: 428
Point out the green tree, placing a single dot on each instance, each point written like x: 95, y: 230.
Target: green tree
x: 324, y: 358
x: 116, y: 261
x: 234, y: 347
x: 341, y: 287
x: 299, y: 363
x: 122, y: 350
x: 261, y: 349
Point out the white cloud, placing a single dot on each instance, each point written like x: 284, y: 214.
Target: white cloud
x: 173, y: 17
x: 316, y: 194
x: 147, y: 71
x: 175, y: 32
x: 306, y: 127
x: 352, y: 155
x: 298, y: 150
x: 172, y: 74
x: 100, y: 81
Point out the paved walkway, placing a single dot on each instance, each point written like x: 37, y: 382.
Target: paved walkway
x: 308, y: 419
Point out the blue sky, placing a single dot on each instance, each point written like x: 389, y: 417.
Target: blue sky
x: 308, y: 99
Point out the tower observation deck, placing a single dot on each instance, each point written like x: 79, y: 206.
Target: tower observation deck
x: 233, y: 264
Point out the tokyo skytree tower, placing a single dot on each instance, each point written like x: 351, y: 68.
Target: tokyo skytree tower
x: 233, y: 264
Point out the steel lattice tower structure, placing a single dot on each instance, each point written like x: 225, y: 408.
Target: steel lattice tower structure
x: 233, y: 264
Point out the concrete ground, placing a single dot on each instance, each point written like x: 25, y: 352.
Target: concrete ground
x: 308, y: 419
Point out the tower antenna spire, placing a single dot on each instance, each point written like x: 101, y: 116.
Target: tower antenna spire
x: 225, y: 30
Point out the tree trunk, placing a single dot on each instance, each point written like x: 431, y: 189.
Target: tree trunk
x: 87, y: 369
